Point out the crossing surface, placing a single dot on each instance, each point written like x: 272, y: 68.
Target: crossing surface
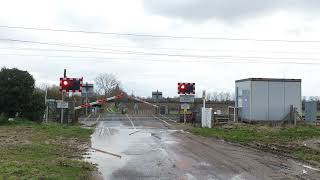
x: 151, y: 147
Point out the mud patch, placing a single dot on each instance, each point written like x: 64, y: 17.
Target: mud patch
x: 313, y: 144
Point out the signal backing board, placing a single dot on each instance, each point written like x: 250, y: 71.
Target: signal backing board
x: 186, y: 88
x: 71, y: 84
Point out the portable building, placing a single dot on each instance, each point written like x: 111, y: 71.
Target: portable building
x: 266, y: 99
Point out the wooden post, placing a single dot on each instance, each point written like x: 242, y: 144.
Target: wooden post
x: 295, y: 116
x: 291, y: 114
x: 235, y: 114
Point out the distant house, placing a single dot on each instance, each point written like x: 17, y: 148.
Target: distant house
x: 266, y: 99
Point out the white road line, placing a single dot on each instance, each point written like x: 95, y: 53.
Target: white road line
x: 98, y: 117
x: 161, y: 120
x: 167, y: 118
x: 131, y: 121
x: 87, y: 117
x: 312, y: 168
x: 108, y: 131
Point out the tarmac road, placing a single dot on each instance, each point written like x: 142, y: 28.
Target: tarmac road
x: 151, y: 148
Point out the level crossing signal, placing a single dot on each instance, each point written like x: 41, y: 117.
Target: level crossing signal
x: 71, y: 84
x: 186, y: 88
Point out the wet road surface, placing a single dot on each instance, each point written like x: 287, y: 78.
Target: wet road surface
x: 151, y: 148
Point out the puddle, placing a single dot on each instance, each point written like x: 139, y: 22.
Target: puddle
x: 115, y: 138
x: 170, y: 142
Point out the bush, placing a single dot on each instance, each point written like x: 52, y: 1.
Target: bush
x: 35, y: 109
x: 16, y: 88
x: 3, y: 119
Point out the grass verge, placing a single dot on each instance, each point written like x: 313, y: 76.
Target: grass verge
x: 284, y: 140
x: 43, y: 151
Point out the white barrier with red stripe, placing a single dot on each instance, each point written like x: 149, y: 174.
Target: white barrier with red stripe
x: 100, y: 101
x: 134, y: 98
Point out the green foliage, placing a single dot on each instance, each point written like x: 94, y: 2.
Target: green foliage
x: 68, y: 131
x: 34, y: 110
x: 306, y: 154
x: 19, y: 95
x: 250, y: 133
x: 3, y: 119
x: 16, y: 89
x: 54, y: 92
x: 45, y: 151
x: 236, y: 135
x: 283, y: 138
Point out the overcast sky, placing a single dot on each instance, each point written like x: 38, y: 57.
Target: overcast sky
x: 144, y: 63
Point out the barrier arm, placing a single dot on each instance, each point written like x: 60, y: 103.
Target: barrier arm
x: 100, y: 101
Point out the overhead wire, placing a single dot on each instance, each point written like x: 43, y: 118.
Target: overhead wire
x: 190, y: 49
x: 160, y: 36
x: 166, y: 60
x: 107, y: 50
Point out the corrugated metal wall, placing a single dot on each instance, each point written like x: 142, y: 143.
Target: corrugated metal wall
x: 276, y: 102
x: 269, y: 100
x: 243, y: 94
x: 259, y: 100
x: 311, y: 111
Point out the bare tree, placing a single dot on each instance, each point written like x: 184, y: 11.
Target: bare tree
x: 227, y: 96
x: 106, y: 84
x: 209, y: 96
x: 215, y: 97
x: 221, y: 96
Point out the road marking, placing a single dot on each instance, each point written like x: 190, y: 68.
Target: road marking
x: 312, y: 168
x: 86, y: 119
x: 161, y: 120
x: 108, y: 131
x: 99, y: 117
x: 167, y: 118
x: 135, y: 132
x: 131, y: 121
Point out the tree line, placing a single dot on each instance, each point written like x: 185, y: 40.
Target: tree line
x: 220, y: 96
x: 18, y: 95
x: 105, y: 85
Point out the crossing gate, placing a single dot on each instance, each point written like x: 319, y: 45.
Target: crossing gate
x: 100, y: 101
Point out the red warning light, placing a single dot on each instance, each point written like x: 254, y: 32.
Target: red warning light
x: 65, y: 82
x: 186, y: 88
x: 71, y: 84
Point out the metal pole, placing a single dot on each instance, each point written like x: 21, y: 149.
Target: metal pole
x: 204, y: 98
x: 234, y: 114
x: 64, y: 75
x: 184, y: 116
x: 204, y: 103
x: 45, y: 102
x: 62, y: 109
x: 86, y: 98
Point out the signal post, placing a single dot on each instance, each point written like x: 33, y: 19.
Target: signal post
x: 186, y: 92
x: 68, y: 85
